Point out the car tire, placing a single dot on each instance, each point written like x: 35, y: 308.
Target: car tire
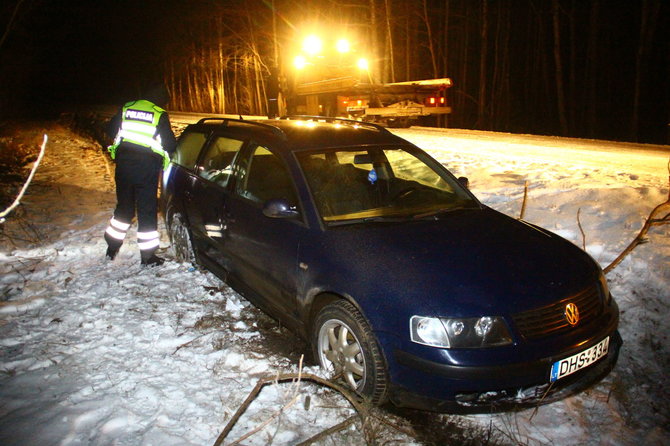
x: 180, y: 236
x: 344, y: 345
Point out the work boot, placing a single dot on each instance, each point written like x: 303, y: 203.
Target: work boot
x: 154, y: 260
x: 113, y: 246
x: 111, y: 253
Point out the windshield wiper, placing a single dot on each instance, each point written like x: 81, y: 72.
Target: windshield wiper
x: 364, y: 220
x: 436, y: 213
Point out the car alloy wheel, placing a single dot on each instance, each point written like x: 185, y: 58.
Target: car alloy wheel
x: 345, y: 346
x: 181, y: 240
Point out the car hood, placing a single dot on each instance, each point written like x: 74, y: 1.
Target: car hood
x: 466, y: 263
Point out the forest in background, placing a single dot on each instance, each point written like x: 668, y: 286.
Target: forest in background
x: 596, y: 69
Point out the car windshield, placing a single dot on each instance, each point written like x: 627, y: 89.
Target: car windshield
x: 380, y: 184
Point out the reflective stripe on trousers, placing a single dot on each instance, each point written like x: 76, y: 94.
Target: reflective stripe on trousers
x: 117, y: 229
x: 147, y: 240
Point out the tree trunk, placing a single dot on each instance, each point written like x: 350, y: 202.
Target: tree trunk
x: 591, y: 81
x: 410, y: 32
x: 221, y: 66
x: 649, y: 15
x: 499, y: 102
x: 431, y: 44
x: 389, y: 39
x: 374, y: 44
x: 481, y: 109
x: 443, y: 120
x: 573, y: 100
x: 558, y: 65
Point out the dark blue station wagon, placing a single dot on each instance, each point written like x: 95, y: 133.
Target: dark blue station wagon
x: 407, y: 288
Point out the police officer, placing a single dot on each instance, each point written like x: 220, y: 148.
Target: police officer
x: 143, y: 145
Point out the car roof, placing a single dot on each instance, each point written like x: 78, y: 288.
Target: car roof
x: 305, y: 133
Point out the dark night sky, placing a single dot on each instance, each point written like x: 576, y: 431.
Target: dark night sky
x: 59, y: 53
x: 91, y: 51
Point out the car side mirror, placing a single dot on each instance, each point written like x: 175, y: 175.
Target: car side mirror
x: 464, y: 182
x: 279, y: 208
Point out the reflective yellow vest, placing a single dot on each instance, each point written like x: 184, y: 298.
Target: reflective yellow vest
x: 139, y: 124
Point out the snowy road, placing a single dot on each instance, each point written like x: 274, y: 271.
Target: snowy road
x: 104, y: 353
x: 643, y: 159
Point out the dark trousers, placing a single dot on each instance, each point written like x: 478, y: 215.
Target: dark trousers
x: 136, y: 188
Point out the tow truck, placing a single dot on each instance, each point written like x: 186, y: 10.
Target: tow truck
x: 396, y: 104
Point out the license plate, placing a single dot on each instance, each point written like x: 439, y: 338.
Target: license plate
x: 568, y: 366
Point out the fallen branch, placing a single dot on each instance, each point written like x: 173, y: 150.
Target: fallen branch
x: 185, y: 344
x: 330, y: 431
x: 400, y: 429
x: 652, y: 220
x: 354, y: 400
x: 29, y: 231
x: 539, y: 403
x: 17, y: 201
x: 262, y: 426
x: 579, y: 224
x: 525, y: 198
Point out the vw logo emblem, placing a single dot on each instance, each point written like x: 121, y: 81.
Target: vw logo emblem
x: 572, y: 314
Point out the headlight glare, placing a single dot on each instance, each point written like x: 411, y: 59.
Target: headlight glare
x: 478, y: 332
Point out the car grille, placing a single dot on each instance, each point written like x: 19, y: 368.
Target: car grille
x: 550, y: 320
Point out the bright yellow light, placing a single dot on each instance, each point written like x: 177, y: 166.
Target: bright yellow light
x: 343, y: 46
x: 299, y: 62
x: 312, y: 45
x: 363, y: 64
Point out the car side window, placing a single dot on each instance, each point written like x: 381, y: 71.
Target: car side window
x: 265, y: 177
x: 216, y: 165
x: 188, y: 149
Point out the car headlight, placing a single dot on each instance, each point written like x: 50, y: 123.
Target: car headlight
x: 476, y: 332
x: 605, y: 289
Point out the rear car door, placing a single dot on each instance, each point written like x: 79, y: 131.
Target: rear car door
x: 179, y: 177
x: 263, y: 250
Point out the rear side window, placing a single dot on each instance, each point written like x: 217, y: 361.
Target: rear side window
x: 188, y: 149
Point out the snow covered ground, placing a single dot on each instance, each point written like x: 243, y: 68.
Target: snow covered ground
x: 114, y: 354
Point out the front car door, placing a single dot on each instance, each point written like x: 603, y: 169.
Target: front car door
x: 263, y: 250
x: 209, y: 196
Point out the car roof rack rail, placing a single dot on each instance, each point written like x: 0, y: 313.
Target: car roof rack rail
x: 332, y: 119
x: 227, y: 121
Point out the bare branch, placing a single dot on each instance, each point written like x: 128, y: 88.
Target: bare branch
x: 354, y: 400
x: 266, y: 422
x: 649, y: 222
x: 11, y: 22
x: 330, y: 431
x: 525, y: 198
x: 17, y: 201
x: 579, y: 223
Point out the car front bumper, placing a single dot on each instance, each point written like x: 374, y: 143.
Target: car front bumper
x: 462, y: 389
